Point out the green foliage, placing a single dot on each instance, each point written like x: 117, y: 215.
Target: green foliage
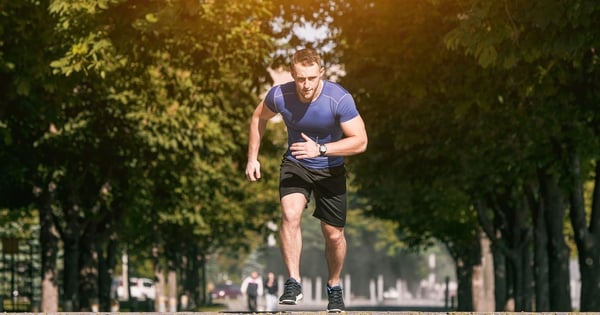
x: 404, y: 83
x: 524, y: 31
x: 465, y: 102
x: 17, y: 224
x: 137, y: 126
x: 173, y: 75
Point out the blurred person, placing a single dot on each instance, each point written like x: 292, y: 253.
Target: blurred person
x: 323, y: 126
x: 271, y: 289
x: 252, y: 287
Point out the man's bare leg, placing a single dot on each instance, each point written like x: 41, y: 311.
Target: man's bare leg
x: 290, y: 233
x: 335, y: 252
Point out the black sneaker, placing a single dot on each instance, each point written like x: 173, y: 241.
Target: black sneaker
x: 336, y: 299
x: 292, y: 292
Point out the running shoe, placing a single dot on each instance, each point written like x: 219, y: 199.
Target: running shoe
x: 336, y: 299
x: 292, y: 292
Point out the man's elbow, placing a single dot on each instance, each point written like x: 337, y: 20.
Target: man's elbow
x: 362, y: 147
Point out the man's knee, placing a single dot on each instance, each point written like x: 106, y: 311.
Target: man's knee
x: 333, y: 235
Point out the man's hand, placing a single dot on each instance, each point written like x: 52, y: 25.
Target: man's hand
x: 253, y: 170
x: 305, y: 150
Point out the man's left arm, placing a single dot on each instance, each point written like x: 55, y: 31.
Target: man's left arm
x: 354, y: 141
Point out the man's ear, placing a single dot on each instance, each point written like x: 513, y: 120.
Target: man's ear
x: 322, y: 71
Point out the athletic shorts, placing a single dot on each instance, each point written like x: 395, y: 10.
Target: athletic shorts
x: 328, y: 185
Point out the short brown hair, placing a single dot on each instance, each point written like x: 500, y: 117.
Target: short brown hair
x: 306, y: 57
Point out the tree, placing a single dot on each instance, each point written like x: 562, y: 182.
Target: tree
x: 411, y: 172
x: 562, y: 79
x: 143, y: 114
x: 450, y: 132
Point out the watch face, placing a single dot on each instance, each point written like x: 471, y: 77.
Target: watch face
x: 322, y: 149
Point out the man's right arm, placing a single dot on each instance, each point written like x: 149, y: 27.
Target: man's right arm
x: 258, y: 124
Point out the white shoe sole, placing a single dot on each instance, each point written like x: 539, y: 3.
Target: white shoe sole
x: 291, y: 302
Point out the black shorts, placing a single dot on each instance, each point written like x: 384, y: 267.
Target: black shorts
x: 328, y: 185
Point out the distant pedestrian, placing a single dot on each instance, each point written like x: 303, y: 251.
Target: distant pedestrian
x: 252, y: 286
x: 271, y: 291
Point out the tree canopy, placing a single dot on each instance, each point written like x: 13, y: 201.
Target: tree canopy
x: 481, y: 117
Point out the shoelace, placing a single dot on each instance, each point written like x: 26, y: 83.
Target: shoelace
x: 335, y: 295
x: 290, y: 287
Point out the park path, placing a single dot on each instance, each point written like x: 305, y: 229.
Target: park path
x: 232, y: 307
x: 307, y: 312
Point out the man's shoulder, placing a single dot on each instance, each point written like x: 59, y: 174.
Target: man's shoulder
x: 279, y: 95
x: 334, y: 89
x: 284, y: 87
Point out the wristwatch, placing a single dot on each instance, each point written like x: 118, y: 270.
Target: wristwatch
x: 322, y: 150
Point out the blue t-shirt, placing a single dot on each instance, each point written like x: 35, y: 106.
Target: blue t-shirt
x: 320, y: 120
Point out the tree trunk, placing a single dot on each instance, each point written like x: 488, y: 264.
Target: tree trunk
x: 516, y: 280
x: 587, y: 240
x: 107, y: 257
x: 192, y: 279
x: 520, y: 241
x: 527, y: 285
x: 185, y: 277
x: 466, y: 256
x: 558, y: 252
x: 483, y: 279
x: 510, y: 234
x: 106, y: 272
x: 171, y: 257
x: 464, y: 274
x: 540, y: 258
x: 203, y: 287
x: 590, y: 278
x: 500, y: 280
x: 159, y: 301
x: 71, y: 273
x: 88, y: 272
x: 49, y: 238
x: 172, y: 280
x: 71, y: 236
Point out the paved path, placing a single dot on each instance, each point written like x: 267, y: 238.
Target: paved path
x: 312, y: 308
x: 361, y: 305
x: 306, y: 312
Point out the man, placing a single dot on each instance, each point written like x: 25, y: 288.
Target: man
x: 252, y: 287
x: 323, y: 126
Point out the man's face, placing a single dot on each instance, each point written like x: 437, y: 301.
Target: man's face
x: 307, y: 80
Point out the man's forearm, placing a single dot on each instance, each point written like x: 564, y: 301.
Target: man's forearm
x: 257, y: 128
x: 347, y: 146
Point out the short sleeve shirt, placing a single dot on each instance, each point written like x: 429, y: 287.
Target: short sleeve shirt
x: 320, y: 120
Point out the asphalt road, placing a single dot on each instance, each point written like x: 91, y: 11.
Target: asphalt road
x: 240, y: 306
